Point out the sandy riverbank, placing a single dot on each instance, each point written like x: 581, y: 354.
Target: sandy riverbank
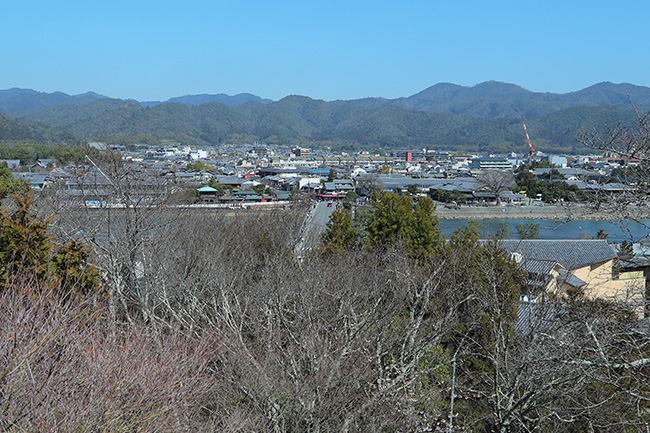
x: 538, y: 212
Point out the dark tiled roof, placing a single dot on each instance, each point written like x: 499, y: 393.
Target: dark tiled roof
x: 533, y: 316
x: 571, y: 254
x: 534, y: 266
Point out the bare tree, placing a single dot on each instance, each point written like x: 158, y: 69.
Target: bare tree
x: 496, y: 182
x: 626, y: 197
x: 63, y: 368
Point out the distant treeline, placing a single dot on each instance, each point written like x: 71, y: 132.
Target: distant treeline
x: 30, y: 152
x: 301, y: 120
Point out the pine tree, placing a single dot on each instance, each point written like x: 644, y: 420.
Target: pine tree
x: 341, y: 235
x: 397, y: 219
x: 27, y: 254
x: 24, y: 243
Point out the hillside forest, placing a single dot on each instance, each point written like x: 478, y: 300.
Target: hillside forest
x: 484, y: 118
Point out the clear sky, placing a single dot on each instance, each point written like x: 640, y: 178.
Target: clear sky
x: 325, y: 49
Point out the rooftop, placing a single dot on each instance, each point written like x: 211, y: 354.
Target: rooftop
x: 571, y: 254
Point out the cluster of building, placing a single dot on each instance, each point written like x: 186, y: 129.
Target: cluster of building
x: 243, y: 175
x: 252, y: 173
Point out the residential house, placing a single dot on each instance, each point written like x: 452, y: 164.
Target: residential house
x: 568, y: 267
x: 339, y: 187
x: 44, y: 163
x: 36, y: 181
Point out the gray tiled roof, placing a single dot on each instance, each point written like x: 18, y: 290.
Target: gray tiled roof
x: 534, y: 266
x: 534, y: 315
x: 461, y: 184
x: 571, y: 254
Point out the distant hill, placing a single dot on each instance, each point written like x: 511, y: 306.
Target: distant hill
x: 231, y: 101
x: 489, y: 100
x: 21, y: 101
x: 305, y: 119
x: 493, y: 99
x: 15, y: 99
x: 12, y: 130
x: 484, y: 117
x: 19, y: 131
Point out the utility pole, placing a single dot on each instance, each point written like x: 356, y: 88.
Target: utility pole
x: 453, y: 392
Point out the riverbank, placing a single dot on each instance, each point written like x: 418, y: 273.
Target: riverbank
x: 537, y: 212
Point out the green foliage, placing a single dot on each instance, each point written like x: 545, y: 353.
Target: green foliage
x: 551, y: 191
x: 26, y: 251
x: 7, y: 183
x: 384, y: 169
x: 70, y: 265
x: 397, y: 219
x: 412, y: 189
x: 602, y: 234
x: 30, y: 152
x: 467, y: 234
x: 340, y: 236
x: 528, y: 231
x: 24, y: 243
x: 503, y: 231
x: 394, y: 219
x: 542, y: 163
x: 221, y: 188
x: 198, y: 166
x: 351, y: 196
x: 449, y: 196
x: 260, y: 188
x: 14, y: 132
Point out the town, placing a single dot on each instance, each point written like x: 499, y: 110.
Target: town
x: 254, y: 175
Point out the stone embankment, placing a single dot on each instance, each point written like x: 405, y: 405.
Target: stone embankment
x: 537, y: 212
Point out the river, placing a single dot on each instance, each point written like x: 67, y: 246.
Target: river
x: 551, y: 229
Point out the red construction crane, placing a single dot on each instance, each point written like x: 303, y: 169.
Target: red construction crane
x: 531, y: 147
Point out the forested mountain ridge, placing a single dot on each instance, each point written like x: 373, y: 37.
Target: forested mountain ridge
x: 21, y: 100
x: 12, y: 130
x: 491, y: 99
x: 485, y: 117
x: 494, y: 99
x: 304, y: 119
x: 240, y: 98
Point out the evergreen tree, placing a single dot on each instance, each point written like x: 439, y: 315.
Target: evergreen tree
x: 341, y: 235
x: 626, y: 251
x: 503, y: 231
x: 24, y: 244
x: 397, y: 219
x: 27, y: 253
x: 70, y: 265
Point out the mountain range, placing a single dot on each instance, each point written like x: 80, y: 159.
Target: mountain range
x: 482, y: 117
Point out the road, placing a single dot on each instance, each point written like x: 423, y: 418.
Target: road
x: 315, y: 223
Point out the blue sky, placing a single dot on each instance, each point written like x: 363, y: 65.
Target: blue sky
x: 154, y: 50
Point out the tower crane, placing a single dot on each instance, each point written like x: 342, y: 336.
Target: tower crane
x: 531, y: 147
